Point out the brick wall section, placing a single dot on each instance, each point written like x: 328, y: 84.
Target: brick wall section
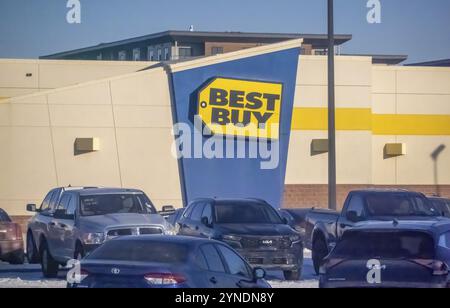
x: 307, y: 196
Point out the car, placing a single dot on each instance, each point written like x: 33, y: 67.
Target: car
x: 442, y: 204
x: 323, y: 228
x: 167, y: 262
x: 391, y: 254
x: 72, y: 222
x: 11, y: 241
x: 252, y: 227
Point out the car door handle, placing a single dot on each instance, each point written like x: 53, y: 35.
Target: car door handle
x: 213, y: 280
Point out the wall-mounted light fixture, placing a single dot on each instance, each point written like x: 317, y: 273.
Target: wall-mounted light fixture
x: 394, y: 150
x: 319, y: 146
x: 86, y: 145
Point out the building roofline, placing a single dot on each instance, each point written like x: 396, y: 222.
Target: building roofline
x: 431, y: 63
x: 175, y: 34
x: 382, y: 59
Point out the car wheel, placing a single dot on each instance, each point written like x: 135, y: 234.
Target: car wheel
x: 295, y: 275
x: 48, y: 264
x: 32, y: 252
x: 17, y: 258
x: 319, y: 252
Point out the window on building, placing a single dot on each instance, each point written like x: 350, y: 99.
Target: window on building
x: 99, y: 57
x: 159, y: 54
x: 136, y: 54
x: 166, y: 54
x: 216, y: 51
x: 122, y: 55
x: 151, y: 54
x: 184, y: 52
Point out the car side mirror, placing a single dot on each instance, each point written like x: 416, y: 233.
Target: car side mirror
x: 168, y: 208
x: 205, y: 222
x: 353, y: 216
x: 31, y: 208
x: 285, y: 221
x: 259, y: 273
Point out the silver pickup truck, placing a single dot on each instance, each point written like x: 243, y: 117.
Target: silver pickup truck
x: 72, y: 222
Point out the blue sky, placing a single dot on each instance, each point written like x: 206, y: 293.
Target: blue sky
x: 418, y: 28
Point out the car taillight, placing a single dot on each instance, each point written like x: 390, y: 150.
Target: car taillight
x: 164, y: 278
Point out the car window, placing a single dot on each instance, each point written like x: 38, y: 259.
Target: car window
x: 213, y: 259
x: 71, y: 208
x: 201, y: 261
x: 399, y: 204
x: 236, y: 265
x: 356, y: 205
x: 245, y: 213
x: 207, y: 213
x: 4, y: 217
x: 142, y: 251
x: 64, y: 203
x: 188, y: 211
x: 46, y: 203
x: 54, y: 200
x: 444, y: 240
x: 197, y: 212
x: 97, y: 205
x: 385, y: 244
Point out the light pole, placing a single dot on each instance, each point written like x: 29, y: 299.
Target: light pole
x: 331, y: 112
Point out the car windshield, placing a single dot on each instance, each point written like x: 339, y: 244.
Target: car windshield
x: 141, y: 251
x: 115, y: 204
x: 379, y: 205
x: 442, y: 205
x: 246, y: 213
x: 388, y: 245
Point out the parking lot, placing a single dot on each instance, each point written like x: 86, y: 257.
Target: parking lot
x: 30, y: 276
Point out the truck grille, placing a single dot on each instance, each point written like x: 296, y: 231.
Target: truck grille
x: 266, y: 242
x: 133, y: 231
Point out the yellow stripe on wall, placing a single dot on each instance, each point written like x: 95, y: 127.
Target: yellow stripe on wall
x: 362, y: 119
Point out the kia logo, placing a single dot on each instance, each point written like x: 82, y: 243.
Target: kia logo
x: 115, y: 271
x: 267, y: 242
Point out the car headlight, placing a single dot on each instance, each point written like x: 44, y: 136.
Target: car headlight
x: 232, y: 238
x: 94, y: 238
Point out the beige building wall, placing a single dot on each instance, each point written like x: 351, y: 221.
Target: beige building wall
x: 21, y: 77
x: 131, y: 116
x: 376, y: 105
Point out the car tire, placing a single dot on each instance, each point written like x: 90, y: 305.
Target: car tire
x: 295, y: 275
x: 32, y: 252
x: 17, y: 258
x: 49, y: 266
x: 319, y: 252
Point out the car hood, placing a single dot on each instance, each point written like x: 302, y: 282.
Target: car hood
x: 255, y: 229
x: 101, y: 222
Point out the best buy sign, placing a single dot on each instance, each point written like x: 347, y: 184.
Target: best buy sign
x: 241, y: 107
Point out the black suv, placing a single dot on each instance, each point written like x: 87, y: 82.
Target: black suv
x: 252, y: 227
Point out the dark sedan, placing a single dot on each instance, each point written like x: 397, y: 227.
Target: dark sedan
x: 167, y: 262
x: 390, y: 255
x: 11, y: 241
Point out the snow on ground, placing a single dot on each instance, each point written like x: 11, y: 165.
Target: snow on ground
x: 30, y: 276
